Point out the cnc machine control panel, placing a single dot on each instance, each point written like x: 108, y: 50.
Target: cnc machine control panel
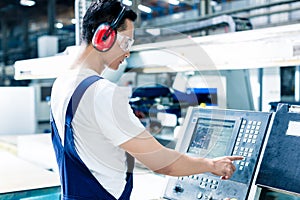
x: 213, y: 133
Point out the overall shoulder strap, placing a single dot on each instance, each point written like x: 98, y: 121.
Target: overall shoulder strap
x: 72, y: 107
x: 77, y: 95
x: 74, y: 101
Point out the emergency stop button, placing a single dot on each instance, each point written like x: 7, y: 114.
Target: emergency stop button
x: 178, y: 188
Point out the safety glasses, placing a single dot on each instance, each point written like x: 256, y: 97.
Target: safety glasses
x: 125, y: 42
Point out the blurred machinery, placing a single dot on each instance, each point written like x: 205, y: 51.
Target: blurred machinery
x: 150, y: 100
x: 160, y: 108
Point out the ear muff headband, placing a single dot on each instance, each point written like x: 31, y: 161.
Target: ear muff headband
x: 116, y: 22
x: 105, y: 35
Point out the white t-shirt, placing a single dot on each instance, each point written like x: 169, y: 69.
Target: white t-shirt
x: 103, y: 121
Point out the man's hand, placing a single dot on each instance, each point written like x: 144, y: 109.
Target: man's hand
x: 223, y: 166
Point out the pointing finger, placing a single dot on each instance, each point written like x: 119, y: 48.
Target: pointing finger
x: 232, y: 158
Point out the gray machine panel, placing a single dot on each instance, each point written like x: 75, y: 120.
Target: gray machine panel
x: 212, y: 133
x: 280, y: 167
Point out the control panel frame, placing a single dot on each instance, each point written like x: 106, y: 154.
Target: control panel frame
x: 247, y: 139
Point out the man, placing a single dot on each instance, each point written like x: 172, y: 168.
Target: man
x: 91, y: 144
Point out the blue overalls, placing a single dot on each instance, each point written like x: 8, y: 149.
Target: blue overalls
x: 77, y: 181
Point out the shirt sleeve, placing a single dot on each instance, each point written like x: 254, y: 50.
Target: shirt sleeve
x: 115, y: 116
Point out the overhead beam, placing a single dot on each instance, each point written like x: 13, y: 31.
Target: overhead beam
x: 51, y: 17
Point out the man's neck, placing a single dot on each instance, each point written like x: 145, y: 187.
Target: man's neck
x: 90, y: 59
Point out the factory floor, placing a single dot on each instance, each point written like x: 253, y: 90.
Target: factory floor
x: 24, y: 156
x: 25, y: 171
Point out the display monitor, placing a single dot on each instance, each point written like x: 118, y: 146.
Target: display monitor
x: 211, y: 137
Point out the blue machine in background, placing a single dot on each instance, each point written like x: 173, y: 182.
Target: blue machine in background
x: 152, y: 99
x: 197, y: 96
x: 148, y: 103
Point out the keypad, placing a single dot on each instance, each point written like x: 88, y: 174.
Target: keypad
x: 244, y: 146
x: 203, y: 181
x: 245, y: 142
x: 208, y: 183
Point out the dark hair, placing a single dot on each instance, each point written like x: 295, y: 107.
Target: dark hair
x: 103, y: 11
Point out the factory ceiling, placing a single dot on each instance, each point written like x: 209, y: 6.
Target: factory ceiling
x: 20, y: 26
x: 13, y: 12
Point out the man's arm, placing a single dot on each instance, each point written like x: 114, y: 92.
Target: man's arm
x: 166, y: 161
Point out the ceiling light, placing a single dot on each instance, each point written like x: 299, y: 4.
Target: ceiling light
x: 127, y: 2
x: 27, y: 2
x: 73, y: 21
x: 144, y: 8
x: 59, y: 25
x: 213, y: 3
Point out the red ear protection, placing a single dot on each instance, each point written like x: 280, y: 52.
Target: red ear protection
x: 105, y: 35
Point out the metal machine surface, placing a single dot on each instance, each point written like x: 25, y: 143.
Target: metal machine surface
x: 212, y: 133
x: 280, y: 167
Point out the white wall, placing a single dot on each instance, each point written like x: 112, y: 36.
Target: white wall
x: 17, y: 110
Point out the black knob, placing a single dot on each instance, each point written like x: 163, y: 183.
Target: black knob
x: 178, y: 189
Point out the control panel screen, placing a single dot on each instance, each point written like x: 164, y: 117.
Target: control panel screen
x: 211, y: 137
